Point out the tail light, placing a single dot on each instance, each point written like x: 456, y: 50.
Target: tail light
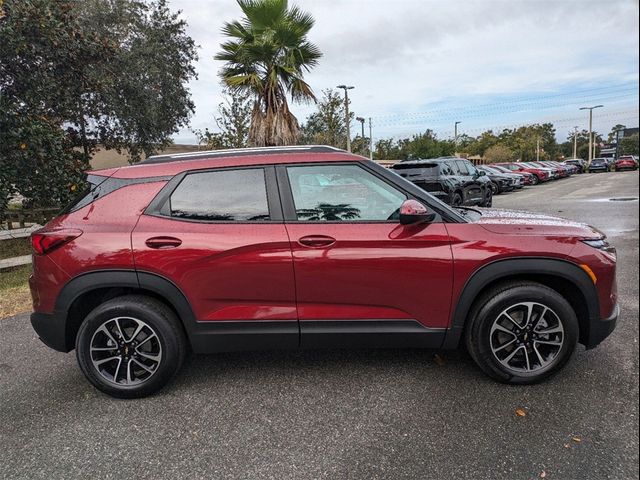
x: 45, y: 242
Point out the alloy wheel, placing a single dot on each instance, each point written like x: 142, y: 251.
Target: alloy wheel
x: 125, y: 351
x: 527, y: 337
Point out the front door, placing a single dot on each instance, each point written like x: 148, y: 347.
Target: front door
x: 361, y: 277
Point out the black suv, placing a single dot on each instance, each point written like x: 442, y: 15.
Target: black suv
x: 455, y: 181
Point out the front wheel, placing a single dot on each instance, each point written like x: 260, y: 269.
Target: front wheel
x: 456, y: 200
x: 522, y: 332
x: 535, y: 180
x: 488, y: 199
x: 130, y: 346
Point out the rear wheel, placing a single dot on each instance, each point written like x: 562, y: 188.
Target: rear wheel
x: 522, y: 332
x: 131, y: 346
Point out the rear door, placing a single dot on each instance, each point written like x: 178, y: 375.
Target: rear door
x: 219, y: 236
x: 361, y: 277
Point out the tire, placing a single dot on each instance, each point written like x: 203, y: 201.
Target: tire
x: 488, y: 201
x: 495, y: 189
x: 490, y: 348
x: 154, y: 339
x: 456, y: 200
x: 535, y: 180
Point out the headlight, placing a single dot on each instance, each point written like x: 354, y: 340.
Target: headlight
x: 603, y: 245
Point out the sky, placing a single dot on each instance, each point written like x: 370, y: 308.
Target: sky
x: 426, y: 64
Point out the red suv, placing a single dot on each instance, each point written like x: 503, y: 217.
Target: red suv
x: 626, y: 162
x: 306, y: 247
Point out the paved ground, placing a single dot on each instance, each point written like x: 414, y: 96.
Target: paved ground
x: 353, y: 415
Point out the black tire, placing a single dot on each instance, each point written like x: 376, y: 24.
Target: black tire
x: 488, y: 201
x: 456, y: 200
x: 488, y: 311
x: 495, y: 189
x: 157, y: 319
x: 535, y: 180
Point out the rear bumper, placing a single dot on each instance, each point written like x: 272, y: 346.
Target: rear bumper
x: 51, y: 329
x: 601, y: 329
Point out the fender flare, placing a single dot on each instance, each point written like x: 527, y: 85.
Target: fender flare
x: 99, y: 279
x: 503, y: 269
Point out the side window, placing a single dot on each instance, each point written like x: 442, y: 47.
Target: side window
x: 333, y: 193
x: 446, y: 169
x: 462, y: 168
x: 223, y: 196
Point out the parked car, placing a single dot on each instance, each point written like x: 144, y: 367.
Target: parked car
x: 626, y: 162
x: 539, y: 174
x: 455, y: 181
x: 555, y: 172
x: 306, y: 247
x: 501, y: 182
x: 599, y: 165
x: 579, y: 163
x: 527, y: 178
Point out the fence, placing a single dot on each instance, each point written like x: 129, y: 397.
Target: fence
x: 20, y: 218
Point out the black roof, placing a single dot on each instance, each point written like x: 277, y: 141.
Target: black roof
x: 240, y: 152
x: 419, y: 161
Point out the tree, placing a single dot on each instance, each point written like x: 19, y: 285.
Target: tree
x: 233, y: 121
x: 266, y: 56
x: 629, y: 145
x: 612, y: 137
x: 499, y: 154
x: 327, y: 125
x: 77, y: 74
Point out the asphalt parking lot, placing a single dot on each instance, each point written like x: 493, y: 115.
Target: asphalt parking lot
x: 338, y: 414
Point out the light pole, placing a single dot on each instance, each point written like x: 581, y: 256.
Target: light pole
x: 575, y: 142
x: 346, y: 108
x: 590, y: 130
x: 370, y: 141
x: 455, y: 138
x: 361, y: 120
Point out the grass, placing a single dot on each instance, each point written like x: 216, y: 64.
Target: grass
x: 15, y: 247
x: 14, y: 291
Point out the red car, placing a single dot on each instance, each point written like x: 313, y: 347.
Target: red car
x: 527, y: 178
x: 306, y: 247
x: 539, y: 174
x: 626, y: 162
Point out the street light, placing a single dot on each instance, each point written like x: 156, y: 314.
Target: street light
x: 590, y: 130
x: 361, y: 120
x: 346, y: 108
x: 455, y: 137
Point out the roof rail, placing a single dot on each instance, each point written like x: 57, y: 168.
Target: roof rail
x: 239, y: 152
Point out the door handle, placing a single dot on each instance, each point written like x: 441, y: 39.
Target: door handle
x: 163, y: 242
x: 316, y: 241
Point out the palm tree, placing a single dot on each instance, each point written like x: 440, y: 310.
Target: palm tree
x: 266, y: 56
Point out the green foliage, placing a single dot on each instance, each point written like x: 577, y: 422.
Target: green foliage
x: 423, y: 145
x: 498, y: 154
x: 327, y: 125
x: 629, y: 145
x: 233, y: 121
x: 611, y: 138
x: 77, y: 74
x: 266, y: 56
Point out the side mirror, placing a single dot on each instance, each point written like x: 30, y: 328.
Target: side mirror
x: 481, y: 173
x: 412, y: 211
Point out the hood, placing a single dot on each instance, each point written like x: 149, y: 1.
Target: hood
x: 518, y: 222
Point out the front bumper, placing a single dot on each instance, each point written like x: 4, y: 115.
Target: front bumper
x: 51, y: 329
x: 598, y: 330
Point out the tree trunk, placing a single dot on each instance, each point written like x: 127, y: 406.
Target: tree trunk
x: 272, y: 128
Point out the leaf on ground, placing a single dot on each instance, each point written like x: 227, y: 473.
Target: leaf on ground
x: 438, y: 359
x: 543, y: 474
x: 521, y: 412
x: 576, y: 439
